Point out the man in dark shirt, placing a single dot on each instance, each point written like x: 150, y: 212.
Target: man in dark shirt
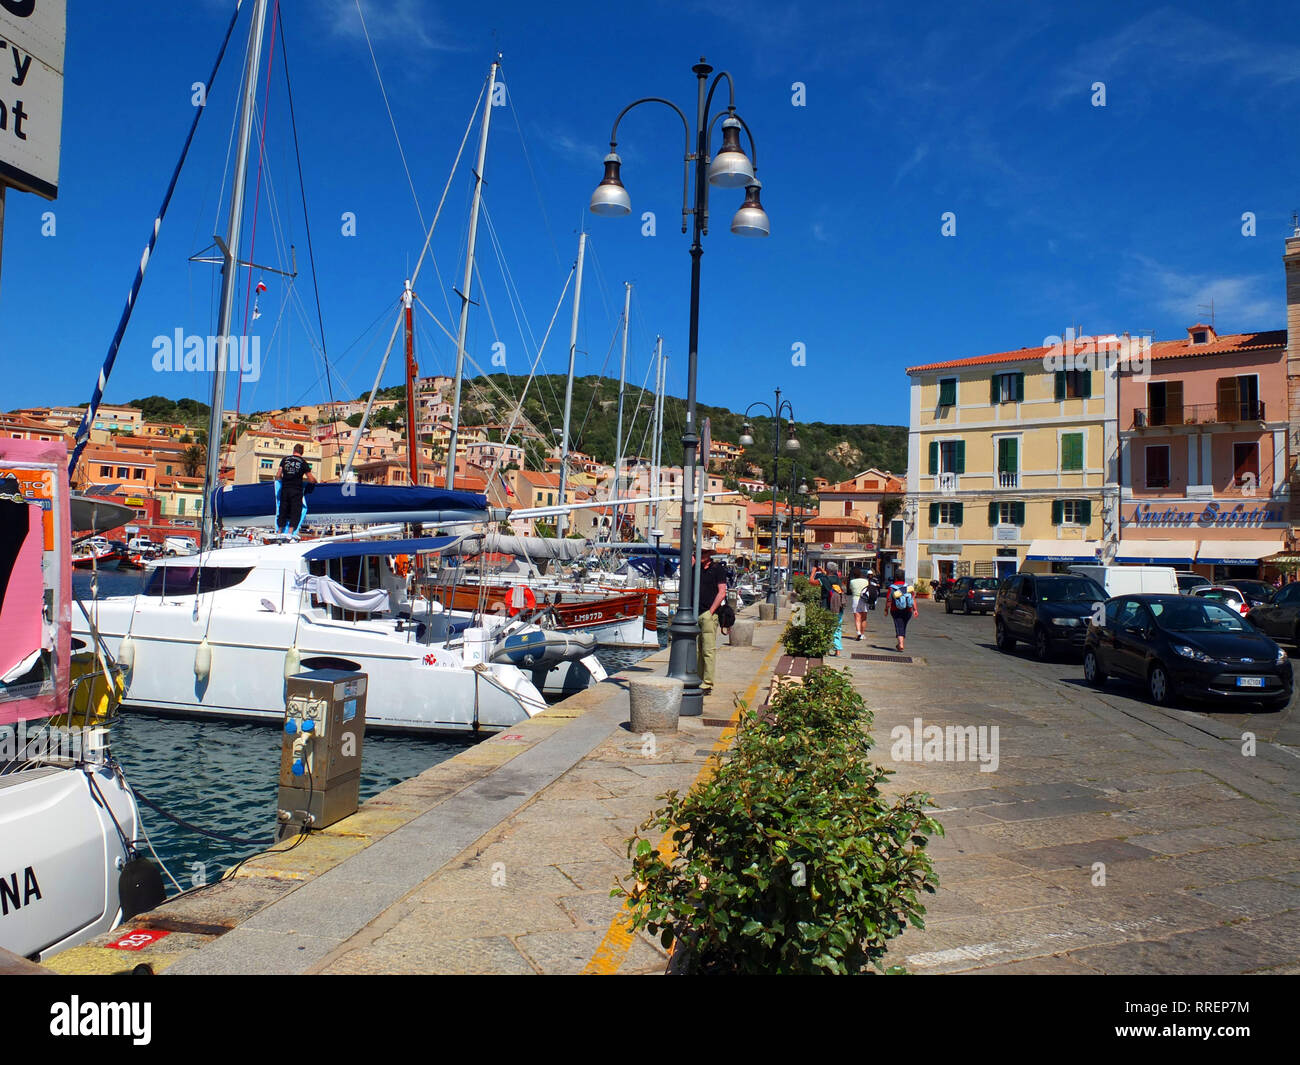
x: 290, y: 476
x: 713, y: 593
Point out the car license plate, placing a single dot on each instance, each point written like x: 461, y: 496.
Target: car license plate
x: 1250, y: 682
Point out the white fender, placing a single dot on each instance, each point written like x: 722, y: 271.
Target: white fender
x: 126, y: 652
x: 203, y: 659
x: 292, y: 662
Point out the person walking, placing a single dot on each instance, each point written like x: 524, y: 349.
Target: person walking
x: 873, y: 590
x: 901, y: 605
x: 860, y: 593
x: 713, y: 593
x: 289, y: 479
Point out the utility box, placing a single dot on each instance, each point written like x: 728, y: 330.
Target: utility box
x: 320, y: 755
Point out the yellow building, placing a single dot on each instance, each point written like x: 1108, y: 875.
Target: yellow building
x: 1012, y: 461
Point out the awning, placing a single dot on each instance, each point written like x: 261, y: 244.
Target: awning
x: 1236, y: 552
x: 1063, y: 551
x: 1156, y: 552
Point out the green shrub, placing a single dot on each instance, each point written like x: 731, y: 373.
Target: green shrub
x: 789, y: 860
x: 815, y: 636
x: 807, y: 592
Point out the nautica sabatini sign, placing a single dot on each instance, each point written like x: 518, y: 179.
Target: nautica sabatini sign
x: 1213, y: 514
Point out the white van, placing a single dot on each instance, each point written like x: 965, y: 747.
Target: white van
x: 1131, y: 580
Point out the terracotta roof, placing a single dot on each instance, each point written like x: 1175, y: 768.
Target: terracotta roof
x: 837, y: 523
x: 1233, y: 342
x: 1023, y: 355
x: 540, y: 480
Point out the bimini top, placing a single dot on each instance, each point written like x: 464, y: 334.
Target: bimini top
x: 352, y: 504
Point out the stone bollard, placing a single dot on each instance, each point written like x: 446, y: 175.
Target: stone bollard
x: 742, y: 633
x: 766, y: 611
x: 656, y: 703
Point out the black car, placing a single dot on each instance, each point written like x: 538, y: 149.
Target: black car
x: 1255, y: 592
x: 1179, y: 646
x: 1050, y: 612
x: 1280, y: 616
x: 1189, y: 582
x: 972, y: 593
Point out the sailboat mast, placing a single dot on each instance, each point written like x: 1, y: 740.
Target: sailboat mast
x: 562, y: 522
x: 655, y: 448
x: 618, y: 438
x: 229, y: 266
x: 412, y: 372
x: 469, y: 276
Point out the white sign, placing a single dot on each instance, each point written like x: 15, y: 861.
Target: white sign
x: 31, y: 93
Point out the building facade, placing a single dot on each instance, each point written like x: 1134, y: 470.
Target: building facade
x: 1012, y: 460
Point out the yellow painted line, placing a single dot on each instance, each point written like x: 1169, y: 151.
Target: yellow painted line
x: 618, y: 940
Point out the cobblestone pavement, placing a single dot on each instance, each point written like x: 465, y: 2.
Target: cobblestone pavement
x: 1108, y: 835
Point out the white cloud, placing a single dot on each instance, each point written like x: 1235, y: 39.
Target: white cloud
x: 408, y: 22
x: 1241, y: 304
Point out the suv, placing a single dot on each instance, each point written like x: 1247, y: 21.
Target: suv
x: 1189, y: 582
x: 972, y: 593
x: 1048, y: 611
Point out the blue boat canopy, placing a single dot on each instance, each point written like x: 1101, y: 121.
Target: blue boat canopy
x: 357, y: 504
x: 358, y: 548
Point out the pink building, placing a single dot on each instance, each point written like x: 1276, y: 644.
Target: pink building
x: 1203, y: 454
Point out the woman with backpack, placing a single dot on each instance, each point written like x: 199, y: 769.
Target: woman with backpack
x: 858, y: 592
x: 901, y: 604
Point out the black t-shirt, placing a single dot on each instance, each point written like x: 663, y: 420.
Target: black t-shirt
x: 826, y: 580
x: 712, y: 576
x: 292, y: 469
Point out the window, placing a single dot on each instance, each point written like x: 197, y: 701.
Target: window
x: 1007, y: 513
x: 945, y: 513
x: 264, y: 464
x: 1071, y: 451
x: 106, y: 471
x: 121, y: 473
x: 1071, y: 511
x: 1165, y: 403
x: 1007, y: 388
x: 1200, y: 336
x: 947, y: 456
x: 1245, y: 464
x: 948, y: 392
x: 137, y: 475
x: 1238, y: 399
x: 180, y: 508
x: 1157, y: 456
x: 896, y: 533
x: 1073, y: 384
x: 188, y: 580
x: 1008, y: 462
x: 848, y: 508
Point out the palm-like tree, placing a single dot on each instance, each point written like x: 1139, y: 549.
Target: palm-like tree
x: 194, y: 458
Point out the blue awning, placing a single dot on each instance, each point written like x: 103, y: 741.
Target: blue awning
x: 357, y: 548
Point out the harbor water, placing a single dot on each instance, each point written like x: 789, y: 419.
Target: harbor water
x: 222, y: 776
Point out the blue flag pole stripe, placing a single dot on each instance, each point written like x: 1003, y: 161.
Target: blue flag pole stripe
x: 83, y: 431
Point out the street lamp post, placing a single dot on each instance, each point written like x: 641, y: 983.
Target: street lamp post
x: 794, y: 521
x: 781, y: 406
x: 730, y: 168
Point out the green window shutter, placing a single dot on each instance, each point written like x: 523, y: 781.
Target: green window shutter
x: 1085, y: 511
x: 956, y: 513
x: 1020, y: 387
x: 1018, y: 513
x: 993, y: 514
x: 948, y: 392
x: 1059, y: 392
x: 1087, y: 384
x: 993, y: 389
x: 1007, y: 455
x: 1058, y: 509
x: 934, y: 513
x: 961, y: 457
x: 1072, y: 451
x: 934, y: 456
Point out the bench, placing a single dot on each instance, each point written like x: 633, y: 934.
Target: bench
x: 790, y: 669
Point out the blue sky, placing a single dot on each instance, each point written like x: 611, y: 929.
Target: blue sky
x: 1122, y: 217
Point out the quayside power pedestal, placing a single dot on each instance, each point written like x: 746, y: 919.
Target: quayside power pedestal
x: 320, y: 755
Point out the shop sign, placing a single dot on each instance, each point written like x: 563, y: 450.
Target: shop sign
x: 1215, y: 514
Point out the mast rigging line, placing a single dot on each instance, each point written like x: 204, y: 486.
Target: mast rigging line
x: 397, y: 325
x: 97, y: 396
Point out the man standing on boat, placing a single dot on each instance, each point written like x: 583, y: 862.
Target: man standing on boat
x: 713, y: 593
x: 289, y: 478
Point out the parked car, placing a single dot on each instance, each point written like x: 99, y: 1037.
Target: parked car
x: 1256, y: 592
x: 1188, y: 583
x: 972, y: 593
x: 1050, y: 612
x: 1280, y: 616
x: 1131, y: 580
x: 1177, y: 645
x: 1232, y: 598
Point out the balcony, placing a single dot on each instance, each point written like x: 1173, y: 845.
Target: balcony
x: 1008, y: 478
x: 1198, y: 414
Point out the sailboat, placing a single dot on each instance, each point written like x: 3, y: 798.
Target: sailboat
x: 68, y: 821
